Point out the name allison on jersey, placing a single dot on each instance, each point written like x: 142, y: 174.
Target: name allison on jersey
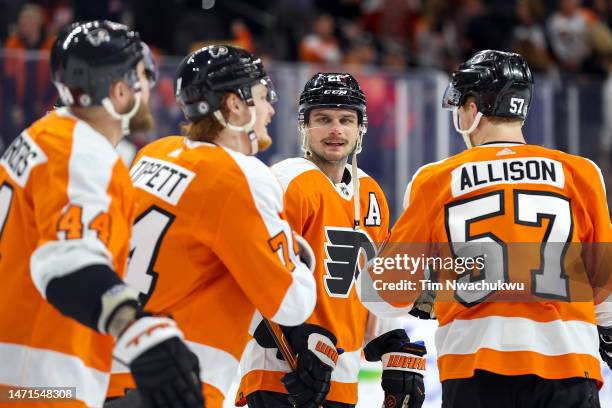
x: 534, y: 170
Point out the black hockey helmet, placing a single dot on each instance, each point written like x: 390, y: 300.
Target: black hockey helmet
x: 501, y: 83
x: 205, y: 75
x: 333, y: 90
x: 87, y: 58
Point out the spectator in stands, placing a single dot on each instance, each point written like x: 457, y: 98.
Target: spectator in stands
x: 395, y: 57
x: 489, y: 28
x: 242, y: 35
x: 361, y: 51
x: 321, y: 45
x: 26, y: 92
x: 568, y: 30
x: 436, y: 39
x: 528, y: 37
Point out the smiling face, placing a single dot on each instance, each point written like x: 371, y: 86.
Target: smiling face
x: 264, y: 112
x: 332, y: 134
x: 142, y: 121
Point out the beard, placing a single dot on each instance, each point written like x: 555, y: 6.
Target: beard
x: 264, y: 142
x: 142, y: 121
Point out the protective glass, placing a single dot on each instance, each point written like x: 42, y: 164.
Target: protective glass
x: 149, y: 65
x: 451, y: 98
x: 272, y: 95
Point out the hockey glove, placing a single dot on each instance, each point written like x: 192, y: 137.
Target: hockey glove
x: 605, y: 344
x: 166, y: 372
x: 424, y: 305
x: 316, y: 359
x: 403, y: 368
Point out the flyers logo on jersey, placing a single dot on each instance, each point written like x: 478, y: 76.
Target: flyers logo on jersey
x: 343, y: 248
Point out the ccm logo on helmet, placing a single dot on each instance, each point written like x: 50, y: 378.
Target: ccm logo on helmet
x: 334, y: 92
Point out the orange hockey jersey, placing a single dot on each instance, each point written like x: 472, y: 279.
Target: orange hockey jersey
x: 66, y: 202
x: 211, y: 247
x: 323, y: 214
x: 535, y: 209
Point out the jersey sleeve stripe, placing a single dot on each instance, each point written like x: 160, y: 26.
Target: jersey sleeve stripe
x: 30, y: 368
x: 552, y: 338
x: 299, y: 300
x: 87, y: 187
x: 217, y: 367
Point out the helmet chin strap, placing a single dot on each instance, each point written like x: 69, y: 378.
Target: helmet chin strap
x: 304, y: 146
x: 466, y: 133
x: 248, y: 128
x: 355, y: 178
x: 123, y: 117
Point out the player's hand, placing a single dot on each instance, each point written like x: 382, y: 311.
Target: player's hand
x: 605, y: 344
x: 402, y: 379
x: 316, y: 359
x: 166, y: 372
x: 403, y: 368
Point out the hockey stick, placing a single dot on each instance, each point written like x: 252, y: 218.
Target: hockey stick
x: 282, y: 343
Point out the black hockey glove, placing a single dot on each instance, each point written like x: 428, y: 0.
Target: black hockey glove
x: 317, y: 356
x: 166, y: 372
x: 403, y: 368
x: 605, y: 344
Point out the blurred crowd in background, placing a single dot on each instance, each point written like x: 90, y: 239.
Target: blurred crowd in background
x: 565, y: 41
x: 569, y: 36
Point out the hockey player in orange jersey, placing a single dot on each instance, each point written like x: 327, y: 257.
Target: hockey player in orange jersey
x: 210, y: 243
x: 532, y: 215
x: 343, y: 214
x: 66, y: 212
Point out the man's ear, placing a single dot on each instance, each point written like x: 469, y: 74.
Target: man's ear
x: 233, y: 104
x: 119, y: 95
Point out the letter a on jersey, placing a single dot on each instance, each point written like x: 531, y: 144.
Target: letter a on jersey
x: 342, y: 266
x: 373, y: 217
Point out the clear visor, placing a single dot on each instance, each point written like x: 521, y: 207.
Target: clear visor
x: 149, y: 65
x: 451, y: 97
x: 272, y: 96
